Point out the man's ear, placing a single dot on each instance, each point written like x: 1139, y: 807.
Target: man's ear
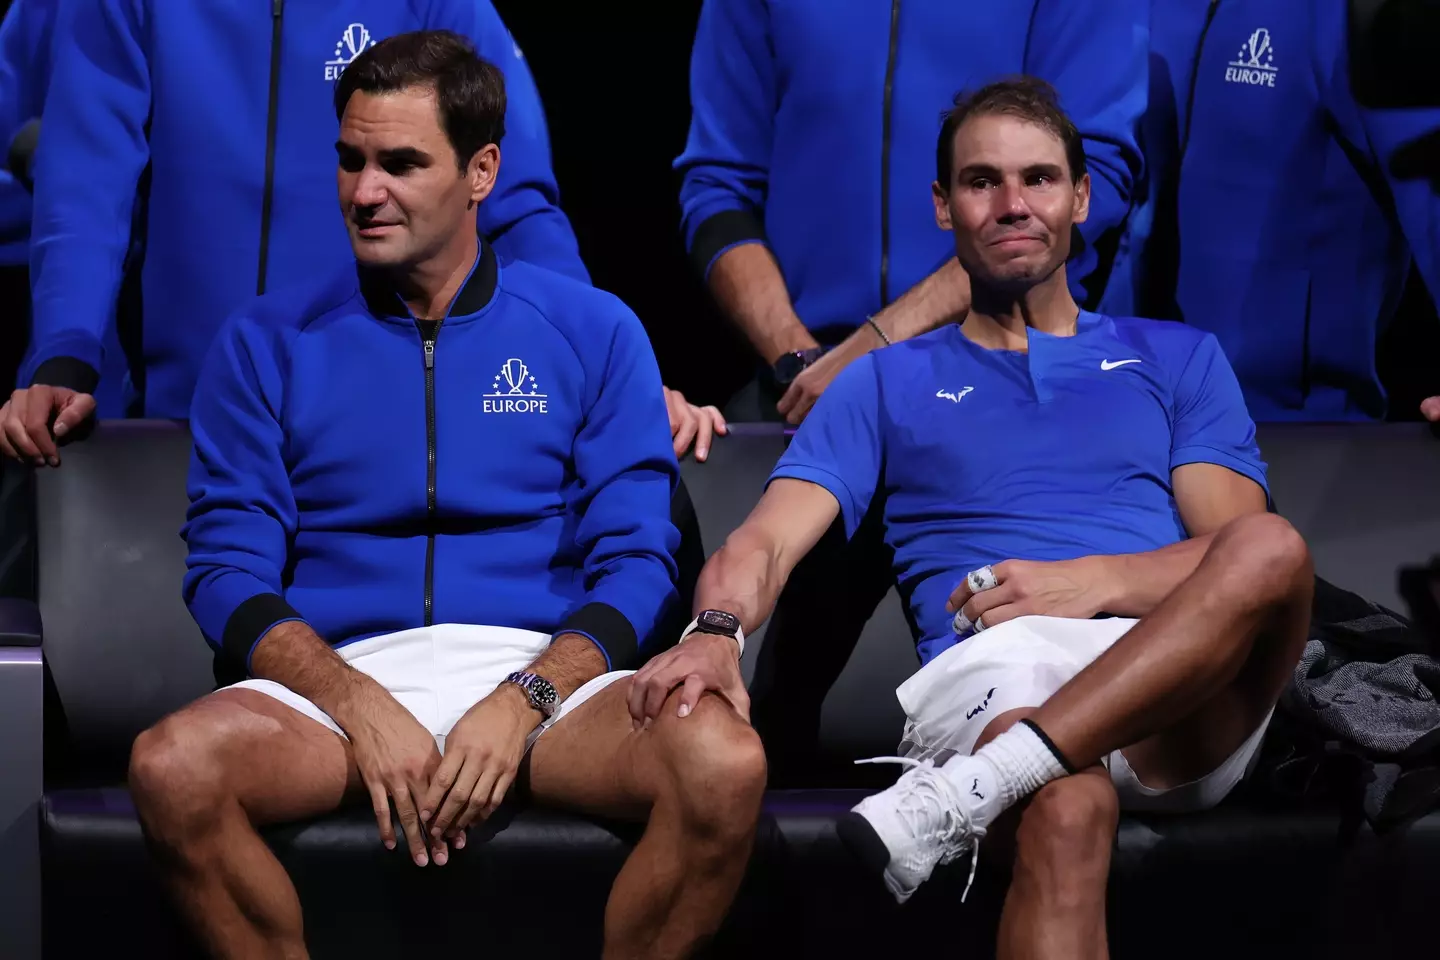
x: 1082, y: 200
x: 482, y: 170
x: 942, y: 206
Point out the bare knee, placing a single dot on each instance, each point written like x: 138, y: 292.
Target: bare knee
x: 176, y: 778
x: 1066, y: 834
x: 715, y: 766
x: 1264, y: 552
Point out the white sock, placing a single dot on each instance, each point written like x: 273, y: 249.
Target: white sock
x: 1005, y: 771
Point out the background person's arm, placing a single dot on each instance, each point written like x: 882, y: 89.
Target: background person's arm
x: 87, y: 167
x: 725, y: 172
x: 1403, y: 149
x: 522, y: 216
x: 1096, y: 55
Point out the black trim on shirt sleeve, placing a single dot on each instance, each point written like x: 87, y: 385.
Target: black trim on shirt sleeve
x: 721, y: 231
x: 68, y: 372
x: 250, y: 621
x: 611, y: 631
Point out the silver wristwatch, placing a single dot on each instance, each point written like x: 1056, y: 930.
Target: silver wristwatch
x: 540, y: 692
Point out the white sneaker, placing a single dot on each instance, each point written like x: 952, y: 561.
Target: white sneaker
x: 922, y: 821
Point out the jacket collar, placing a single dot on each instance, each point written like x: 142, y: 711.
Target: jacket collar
x: 384, y: 301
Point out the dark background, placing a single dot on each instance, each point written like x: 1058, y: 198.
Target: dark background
x: 615, y: 81
x: 614, y: 78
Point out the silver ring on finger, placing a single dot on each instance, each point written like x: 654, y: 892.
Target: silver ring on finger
x: 981, y: 580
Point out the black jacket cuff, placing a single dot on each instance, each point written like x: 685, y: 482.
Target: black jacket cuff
x: 251, y: 621
x: 609, y: 630
x: 722, y: 231
x: 67, y: 372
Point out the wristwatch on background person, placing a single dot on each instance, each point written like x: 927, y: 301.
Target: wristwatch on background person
x: 718, y: 622
x: 540, y: 692
x: 792, y: 364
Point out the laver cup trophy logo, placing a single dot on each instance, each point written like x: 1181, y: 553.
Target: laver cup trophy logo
x: 514, y: 390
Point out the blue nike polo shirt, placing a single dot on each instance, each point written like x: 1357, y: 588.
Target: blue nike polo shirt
x: 988, y: 455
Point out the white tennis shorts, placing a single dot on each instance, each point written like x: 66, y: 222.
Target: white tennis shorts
x: 1021, y: 663
x: 440, y: 672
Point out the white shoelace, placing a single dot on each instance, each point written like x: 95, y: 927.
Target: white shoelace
x: 944, y: 796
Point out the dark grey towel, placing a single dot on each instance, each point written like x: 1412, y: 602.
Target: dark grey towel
x: 1383, y: 708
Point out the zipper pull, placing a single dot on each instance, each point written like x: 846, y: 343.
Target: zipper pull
x: 429, y: 354
x: 277, y: 8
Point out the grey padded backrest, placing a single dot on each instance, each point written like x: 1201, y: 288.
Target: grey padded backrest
x: 120, y: 645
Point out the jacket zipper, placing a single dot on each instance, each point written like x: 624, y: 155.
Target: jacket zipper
x: 267, y: 199
x: 429, y: 331
x: 1195, y: 77
x: 885, y: 124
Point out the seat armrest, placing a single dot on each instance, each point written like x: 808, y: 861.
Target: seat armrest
x: 22, y: 704
x: 19, y: 623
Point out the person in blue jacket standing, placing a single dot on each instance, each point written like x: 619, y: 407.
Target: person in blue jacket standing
x: 806, y: 176
x: 222, y: 107
x: 1273, y: 218
x: 404, y: 629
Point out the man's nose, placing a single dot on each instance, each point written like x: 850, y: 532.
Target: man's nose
x: 370, y: 188
x: 1010, y: 203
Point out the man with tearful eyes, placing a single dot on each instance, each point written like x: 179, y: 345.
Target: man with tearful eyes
x: 405, y: 628
x: 1079, y: 518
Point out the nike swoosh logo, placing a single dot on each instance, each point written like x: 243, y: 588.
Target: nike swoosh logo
x: 1112, y: 364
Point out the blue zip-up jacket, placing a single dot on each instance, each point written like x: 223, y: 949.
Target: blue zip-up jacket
x: 186, y: 88
x: 815, y: 122
x: 25, y: 54
x: 520, y: 477
x: 1277, y: 224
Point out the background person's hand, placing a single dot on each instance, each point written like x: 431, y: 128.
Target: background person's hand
x: 806, y: 388
x: 482, y: 754
x: 25, y: 432
x: 1063, y: 588
x: 705, y: 661
x: 397, y: 758
x: 1430, y: 409
x: 692, y: 424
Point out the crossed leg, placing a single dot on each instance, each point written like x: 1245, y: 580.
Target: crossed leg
x: 1185, y: 687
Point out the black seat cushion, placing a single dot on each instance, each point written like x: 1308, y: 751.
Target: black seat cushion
x: 1228, y: 882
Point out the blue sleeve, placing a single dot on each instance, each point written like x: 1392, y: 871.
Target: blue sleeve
x: 1096, y: 55
x: 24, y: 72
x: 725, y: 168
x: 1210, y: 422
x: 839, y: 446
x: 627, y: 470
x: 91, y: 153
x: 242, y: 512
x: 521, y: 218
x: 1380, y: 135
